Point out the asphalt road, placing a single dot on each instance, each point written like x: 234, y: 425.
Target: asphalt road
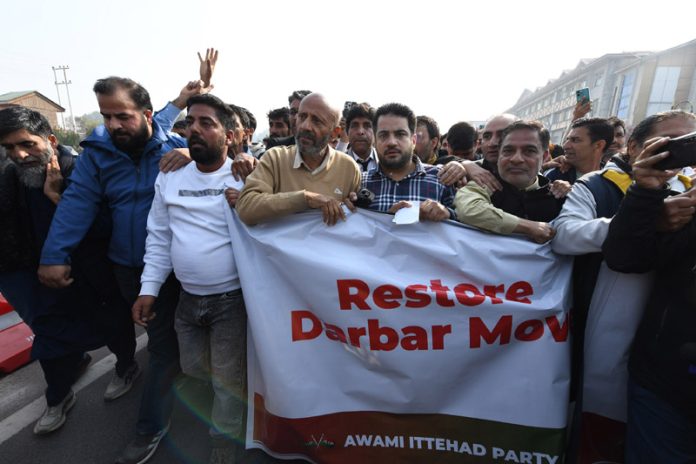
x: 96, y: 431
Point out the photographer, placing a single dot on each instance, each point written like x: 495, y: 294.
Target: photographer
x: 662, y: 364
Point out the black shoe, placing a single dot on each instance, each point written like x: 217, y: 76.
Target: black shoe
x: 142, y: 448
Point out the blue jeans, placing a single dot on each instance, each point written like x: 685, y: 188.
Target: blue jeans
x: 158, y: 398
x: 212, y: 336
x: 656, y: 431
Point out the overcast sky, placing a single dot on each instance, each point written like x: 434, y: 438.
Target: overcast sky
x: 449, y: 59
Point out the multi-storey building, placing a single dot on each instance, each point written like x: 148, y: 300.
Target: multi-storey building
x: 628, y: 85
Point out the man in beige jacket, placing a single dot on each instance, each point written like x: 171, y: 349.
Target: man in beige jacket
x: 309, y: 175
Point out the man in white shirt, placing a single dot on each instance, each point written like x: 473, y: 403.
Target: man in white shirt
x: 187, y: 233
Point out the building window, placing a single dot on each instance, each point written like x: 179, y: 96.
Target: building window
x: 663, y: 89
x: 598, y: 80
x: 626, y: 94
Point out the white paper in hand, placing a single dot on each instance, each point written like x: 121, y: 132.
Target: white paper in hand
x: 408, y: 215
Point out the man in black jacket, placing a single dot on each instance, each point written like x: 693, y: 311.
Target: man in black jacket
x: 662, y: 365
x: 67, y: 322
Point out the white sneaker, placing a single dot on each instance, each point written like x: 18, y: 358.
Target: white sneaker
x: 54, y: 416
x: 119, y: 386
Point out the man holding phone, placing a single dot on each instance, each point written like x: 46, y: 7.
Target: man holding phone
x: 662, y: 365
x: 605, y: 298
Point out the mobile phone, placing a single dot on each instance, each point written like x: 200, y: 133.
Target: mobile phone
x: 583, y: 94
x: 682, y: 153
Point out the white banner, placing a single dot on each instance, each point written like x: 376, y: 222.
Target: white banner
x: 370, y: 340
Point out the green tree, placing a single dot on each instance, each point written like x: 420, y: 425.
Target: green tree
x: 68, y: 137
x: 87, y: 122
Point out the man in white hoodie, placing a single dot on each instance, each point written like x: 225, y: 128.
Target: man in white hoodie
x: 187, y: 233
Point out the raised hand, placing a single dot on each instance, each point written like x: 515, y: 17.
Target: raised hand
x: 207, y: 66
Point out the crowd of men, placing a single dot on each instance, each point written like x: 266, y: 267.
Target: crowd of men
x: 134, y: 230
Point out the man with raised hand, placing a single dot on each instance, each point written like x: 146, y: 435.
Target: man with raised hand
x: 188, y: 234
x: 118, y: 167
x: 584, y: 146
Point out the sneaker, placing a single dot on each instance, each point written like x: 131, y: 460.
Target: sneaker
x: 54, y: 416
x: 119, y: 386
x: 142, y: 448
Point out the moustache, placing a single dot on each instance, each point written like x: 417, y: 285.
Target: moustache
x: 196, y: 139
x: 307, y: 135
x: 120, y: 132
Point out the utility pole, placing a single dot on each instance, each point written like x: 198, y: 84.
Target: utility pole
x: 65, y: 82
x: 55, y: 79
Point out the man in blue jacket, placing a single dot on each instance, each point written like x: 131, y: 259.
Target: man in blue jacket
x: 119, y: 165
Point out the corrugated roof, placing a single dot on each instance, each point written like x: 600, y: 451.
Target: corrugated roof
x: 12, y: 95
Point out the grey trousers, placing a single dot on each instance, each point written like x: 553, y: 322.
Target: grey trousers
x: 212, y: 339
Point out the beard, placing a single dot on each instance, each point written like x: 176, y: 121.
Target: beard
x: 134, y: 143
x: 316, y: 147
x: 203, y: 153
x: 35, y: 176
x: 398, y: 163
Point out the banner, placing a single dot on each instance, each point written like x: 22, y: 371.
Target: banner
x: 429, y: 342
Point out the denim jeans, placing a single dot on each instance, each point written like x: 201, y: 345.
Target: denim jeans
x: 656, y: 431
x: 163, y: 366
x: 212, y: 336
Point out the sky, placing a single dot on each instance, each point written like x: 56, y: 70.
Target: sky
x: 449, y: 59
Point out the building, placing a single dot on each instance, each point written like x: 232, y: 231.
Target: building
x: 36, y: 101
x: 628, y: 85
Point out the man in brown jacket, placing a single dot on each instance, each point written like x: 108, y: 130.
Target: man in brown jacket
x: 310, y: 174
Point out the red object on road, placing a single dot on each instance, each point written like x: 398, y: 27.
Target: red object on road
x: 5, y: 307
x: 15, y: 339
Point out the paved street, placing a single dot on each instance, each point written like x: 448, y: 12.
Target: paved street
x: 96, y: 431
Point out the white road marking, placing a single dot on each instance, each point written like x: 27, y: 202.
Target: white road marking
x: 30, y: 413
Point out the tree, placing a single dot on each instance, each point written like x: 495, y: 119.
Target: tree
x: 87, y: 122
x: 68, y: 137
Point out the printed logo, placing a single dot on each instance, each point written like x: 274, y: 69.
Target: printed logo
x: 320, y: 443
